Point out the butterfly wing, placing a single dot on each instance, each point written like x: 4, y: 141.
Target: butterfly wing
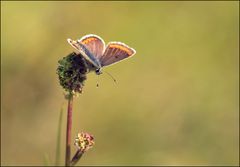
x: 94, y: 43
x: 85, y: 52
x: 114, y: 52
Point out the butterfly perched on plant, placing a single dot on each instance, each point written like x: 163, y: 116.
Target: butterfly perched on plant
x: 93, y: 49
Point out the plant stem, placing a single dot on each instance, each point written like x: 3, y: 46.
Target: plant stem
x: 69, y: 128
x: 76, y: 157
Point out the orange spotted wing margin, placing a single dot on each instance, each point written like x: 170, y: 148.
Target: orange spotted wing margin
x: 94, y: 43
x: 115, y: 52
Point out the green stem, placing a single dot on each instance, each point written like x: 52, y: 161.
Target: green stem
x: 69, y: 128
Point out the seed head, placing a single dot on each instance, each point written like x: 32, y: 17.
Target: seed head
x: 72, y: 71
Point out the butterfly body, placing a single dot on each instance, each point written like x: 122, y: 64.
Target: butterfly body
x: 93, y: 49
x: 91, y: 67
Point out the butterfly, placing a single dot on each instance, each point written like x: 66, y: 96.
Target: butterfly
x: 93, y: 49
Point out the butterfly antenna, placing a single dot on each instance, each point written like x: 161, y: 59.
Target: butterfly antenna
x: 97, y: 81
x: 111, y: 77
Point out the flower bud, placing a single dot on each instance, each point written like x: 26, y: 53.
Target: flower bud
x: 84, y: 141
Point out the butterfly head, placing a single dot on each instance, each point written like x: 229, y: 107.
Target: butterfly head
x: 98, y: 71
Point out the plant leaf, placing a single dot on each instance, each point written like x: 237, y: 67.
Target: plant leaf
x: 58, y: 148
x: 46, y: 160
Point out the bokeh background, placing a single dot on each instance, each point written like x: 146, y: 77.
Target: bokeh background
x: 176, y: 101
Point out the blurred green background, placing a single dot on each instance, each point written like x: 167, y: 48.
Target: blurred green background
x: 176, y: 101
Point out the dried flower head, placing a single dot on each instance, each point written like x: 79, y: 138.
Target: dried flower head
x: 84, y: 141
x: 72, y: 71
